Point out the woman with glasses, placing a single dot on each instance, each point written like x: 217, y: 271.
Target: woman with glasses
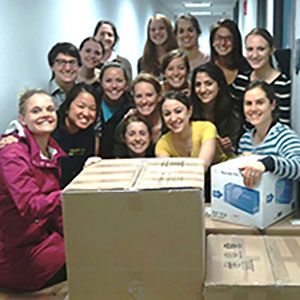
x: 64, y: 61
x: 226, y: 49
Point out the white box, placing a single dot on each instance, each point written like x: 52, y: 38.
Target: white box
x: 272, y: 199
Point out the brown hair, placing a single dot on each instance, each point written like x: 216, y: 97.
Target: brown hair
x: 149, y: 60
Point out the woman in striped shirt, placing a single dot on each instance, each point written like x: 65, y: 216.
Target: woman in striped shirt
x: 259, y: 50
x: 276, y: 142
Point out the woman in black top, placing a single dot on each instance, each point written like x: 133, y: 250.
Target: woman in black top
x: 211, y: 102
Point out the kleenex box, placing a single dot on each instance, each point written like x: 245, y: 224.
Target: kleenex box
x: 272, y: 198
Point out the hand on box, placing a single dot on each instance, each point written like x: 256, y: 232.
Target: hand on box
x: 91, y: 161
x: 252, y: 173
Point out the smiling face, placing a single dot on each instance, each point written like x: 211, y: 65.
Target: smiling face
x: 206, y: 88
x: 223, y: 41
x: 145, y: 98
x: 187, y: 35
x: 137, y: 138
x: 176, y: 72
x: 39, y: 114
x: 114, y: 84
x: 258, y: 108
x: 82, y: 112
x: 106, y: 35
x: 158, y: 32
x: 176, y: 115
x: 258, y: 51
x: 91, y: 54
x: 65, y: 69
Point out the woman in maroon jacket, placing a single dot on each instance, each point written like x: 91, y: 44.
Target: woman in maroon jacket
x: 31, y: 241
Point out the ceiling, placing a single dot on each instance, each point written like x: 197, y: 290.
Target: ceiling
x: 218, y: 8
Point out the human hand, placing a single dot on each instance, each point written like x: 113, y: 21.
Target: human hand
x: 226, y: 144
x: 6, y: 140
x: 91, y: 161
x: 130, y: 112
x: 252, y: 173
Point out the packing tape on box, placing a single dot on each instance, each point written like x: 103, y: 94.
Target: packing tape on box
x: 291, y: 249
x: 136, y: 287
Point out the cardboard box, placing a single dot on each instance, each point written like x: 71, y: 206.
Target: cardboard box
x: 288, y: 226
x: 252, y: 268
x: 285, y: 227
x: 220, y: 227
x: 136, y: 234
x: 271, y: 200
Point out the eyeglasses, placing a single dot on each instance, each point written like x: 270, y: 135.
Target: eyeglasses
x: 62, y: 63
x: 226, y: 38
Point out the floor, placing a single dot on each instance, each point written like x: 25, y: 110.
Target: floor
x: 56, y: 292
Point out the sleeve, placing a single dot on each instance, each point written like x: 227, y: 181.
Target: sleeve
x: 287, y: 162
x: 20, y: 182
x: 209, y: 131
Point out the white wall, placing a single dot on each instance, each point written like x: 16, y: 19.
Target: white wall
x: 29, y: 28
x: 249, y: 21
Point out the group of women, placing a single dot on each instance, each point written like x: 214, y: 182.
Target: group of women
x: 183, y: 103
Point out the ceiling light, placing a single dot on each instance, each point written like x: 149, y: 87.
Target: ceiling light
x: 197, y: 4
x: 201, y: 13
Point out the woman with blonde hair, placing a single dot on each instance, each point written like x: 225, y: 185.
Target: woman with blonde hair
x: 160, y: 40
x: 146, y: 91
x: 32, y: 253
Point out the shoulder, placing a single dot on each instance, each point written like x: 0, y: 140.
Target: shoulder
x: 204, y: 125
x: 14, y: 151
x: 279, y: 130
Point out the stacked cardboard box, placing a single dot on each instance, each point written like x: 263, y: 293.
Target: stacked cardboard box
x: 252, y: 268
x: 269, y: 201
x: 288, y: 226
x: 134, y: 230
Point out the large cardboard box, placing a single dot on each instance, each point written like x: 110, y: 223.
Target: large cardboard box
x: 252, y: 268
x: 269, y: 201
x: 134, y: 230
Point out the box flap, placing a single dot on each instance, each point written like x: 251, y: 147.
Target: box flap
x: 136, y: 174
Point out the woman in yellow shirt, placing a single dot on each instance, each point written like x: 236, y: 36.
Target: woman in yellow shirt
x: 185, y: 138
